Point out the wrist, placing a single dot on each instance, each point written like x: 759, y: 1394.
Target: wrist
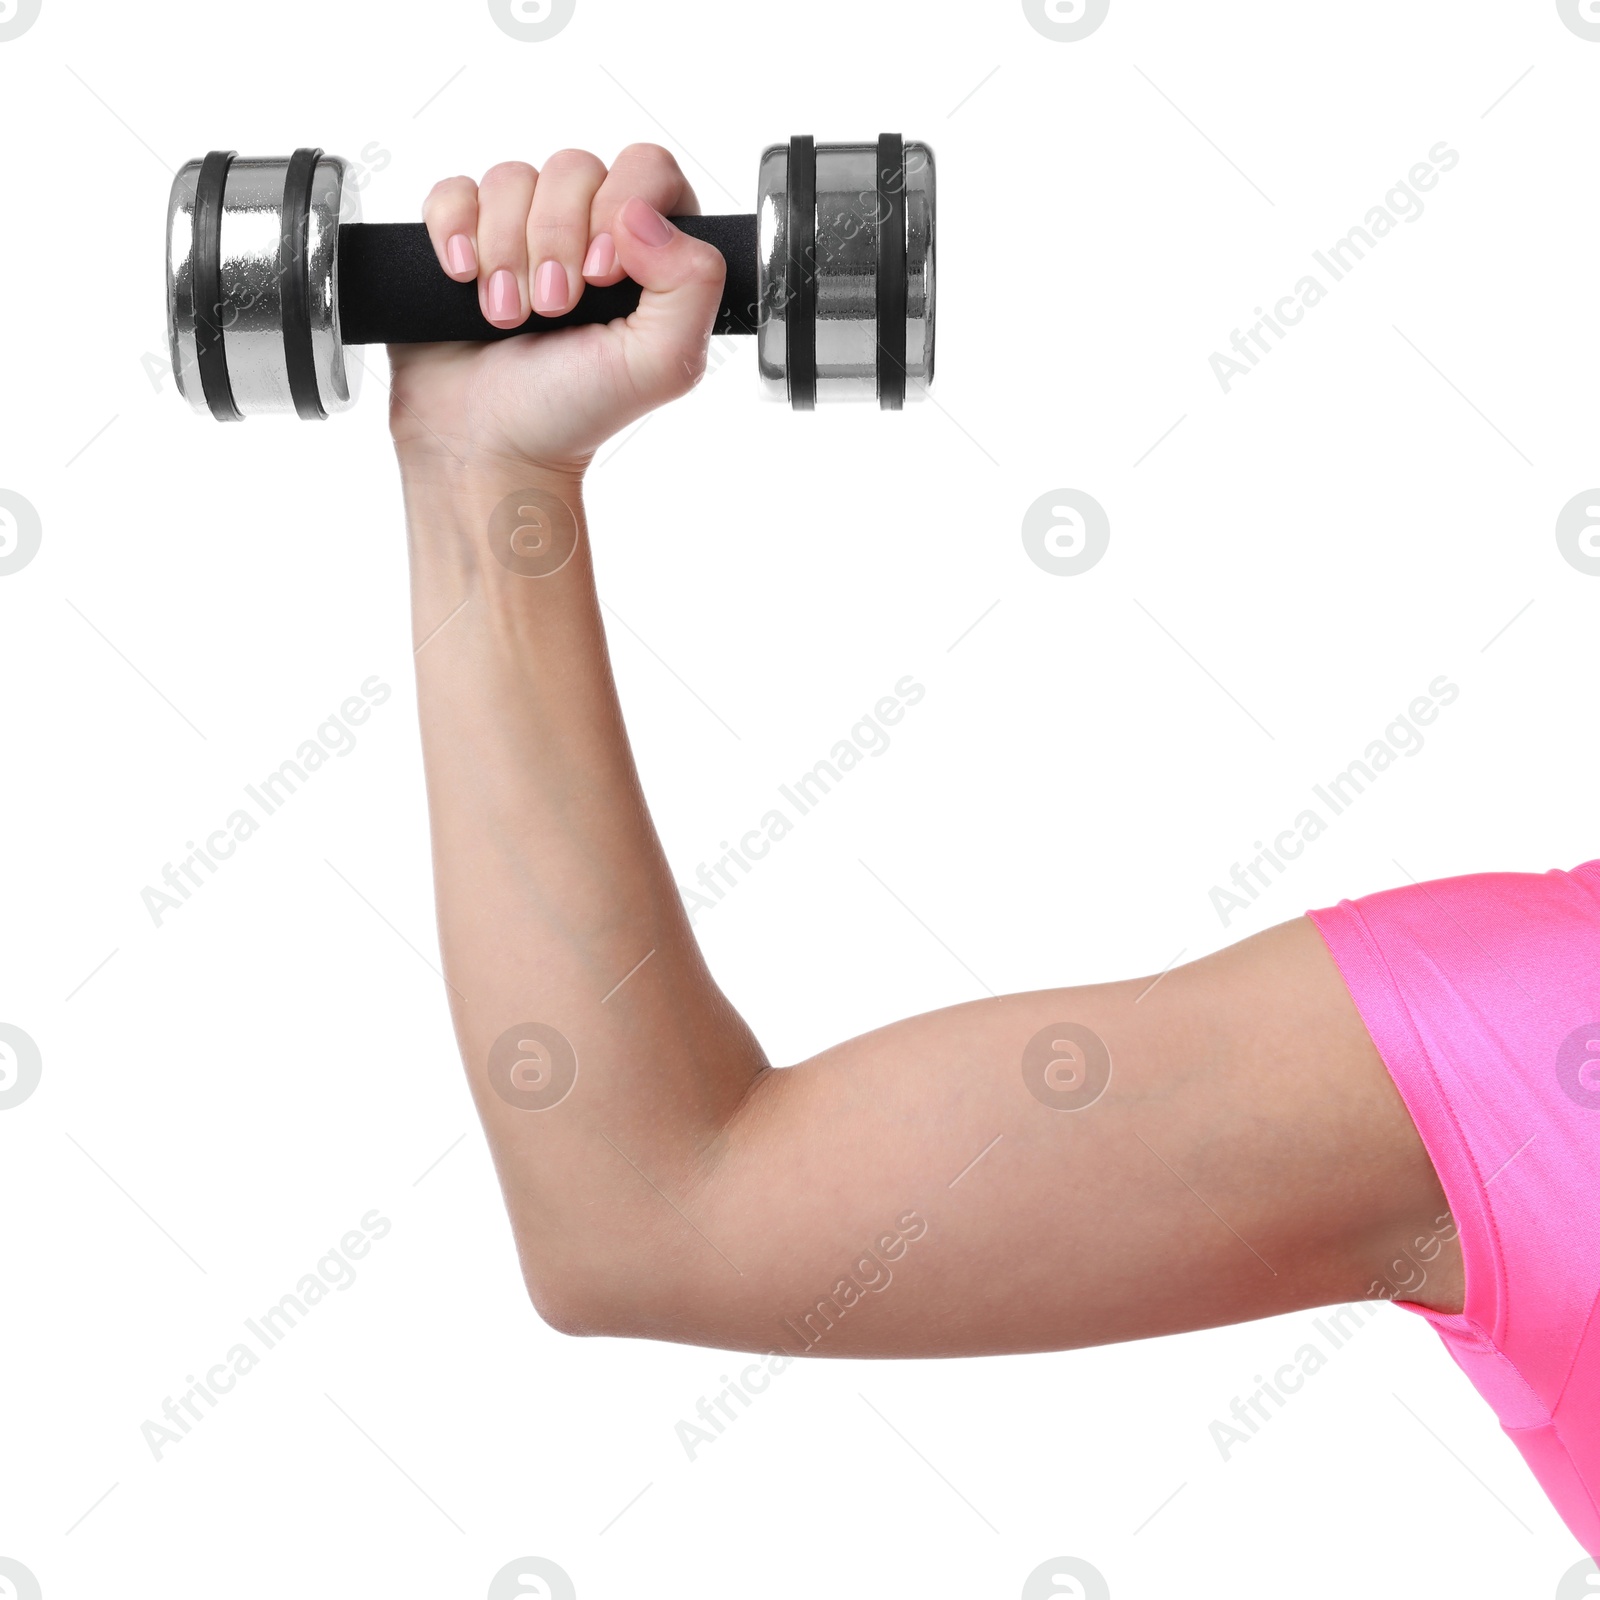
x: 491, y: 511
x: 473, y: 475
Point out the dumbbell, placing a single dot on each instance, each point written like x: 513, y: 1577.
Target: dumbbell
x: 271, y: 274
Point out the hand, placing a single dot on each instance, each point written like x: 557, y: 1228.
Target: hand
x: 532, y: 240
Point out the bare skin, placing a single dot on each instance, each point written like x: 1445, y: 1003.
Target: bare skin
x: 934, y: 1188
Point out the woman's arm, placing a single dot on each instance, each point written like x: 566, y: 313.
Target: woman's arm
x: 963, y: 1182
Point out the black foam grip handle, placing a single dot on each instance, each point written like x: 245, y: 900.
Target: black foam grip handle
x: 392, y: 289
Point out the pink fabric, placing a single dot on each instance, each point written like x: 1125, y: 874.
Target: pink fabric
x: 1482, y: 995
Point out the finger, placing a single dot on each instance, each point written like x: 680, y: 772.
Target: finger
x: 504, y: 198
x: 651, y: 173
x: 558, y: 229
x: 450, y: 214
x: 681, y: 278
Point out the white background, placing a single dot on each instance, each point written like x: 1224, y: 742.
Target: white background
x: 224, y: 1096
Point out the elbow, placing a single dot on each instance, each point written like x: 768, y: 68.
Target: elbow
x: 634, y: 1301
x: 581, y: 1302
x: 572, y: 1309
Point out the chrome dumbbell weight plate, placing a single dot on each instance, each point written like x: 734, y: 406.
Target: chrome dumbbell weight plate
x: 253, y: 287
x: 863, y: 216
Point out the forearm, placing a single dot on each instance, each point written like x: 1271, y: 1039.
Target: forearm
x: 556, y: 905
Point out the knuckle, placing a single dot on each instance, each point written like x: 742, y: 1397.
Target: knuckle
x: 574, y: 163
x: 652, y: 157
x: 559, y: 236
x: 449, y: 191
x: 708, y: 264
x: 509, y: 174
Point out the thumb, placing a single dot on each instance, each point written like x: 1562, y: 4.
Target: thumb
x: 681, y: 279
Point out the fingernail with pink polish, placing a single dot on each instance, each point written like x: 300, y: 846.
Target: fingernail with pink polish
x: 550, y: 288
x: 505, y: 305
x: 460, y: 254
x: 602, y: 256
x: 646, y: 222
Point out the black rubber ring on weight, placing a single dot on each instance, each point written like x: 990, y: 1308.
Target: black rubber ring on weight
x: 205, y: 286
x: 294, y: 284
x: 800, y: 315
x: 891, y: 271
